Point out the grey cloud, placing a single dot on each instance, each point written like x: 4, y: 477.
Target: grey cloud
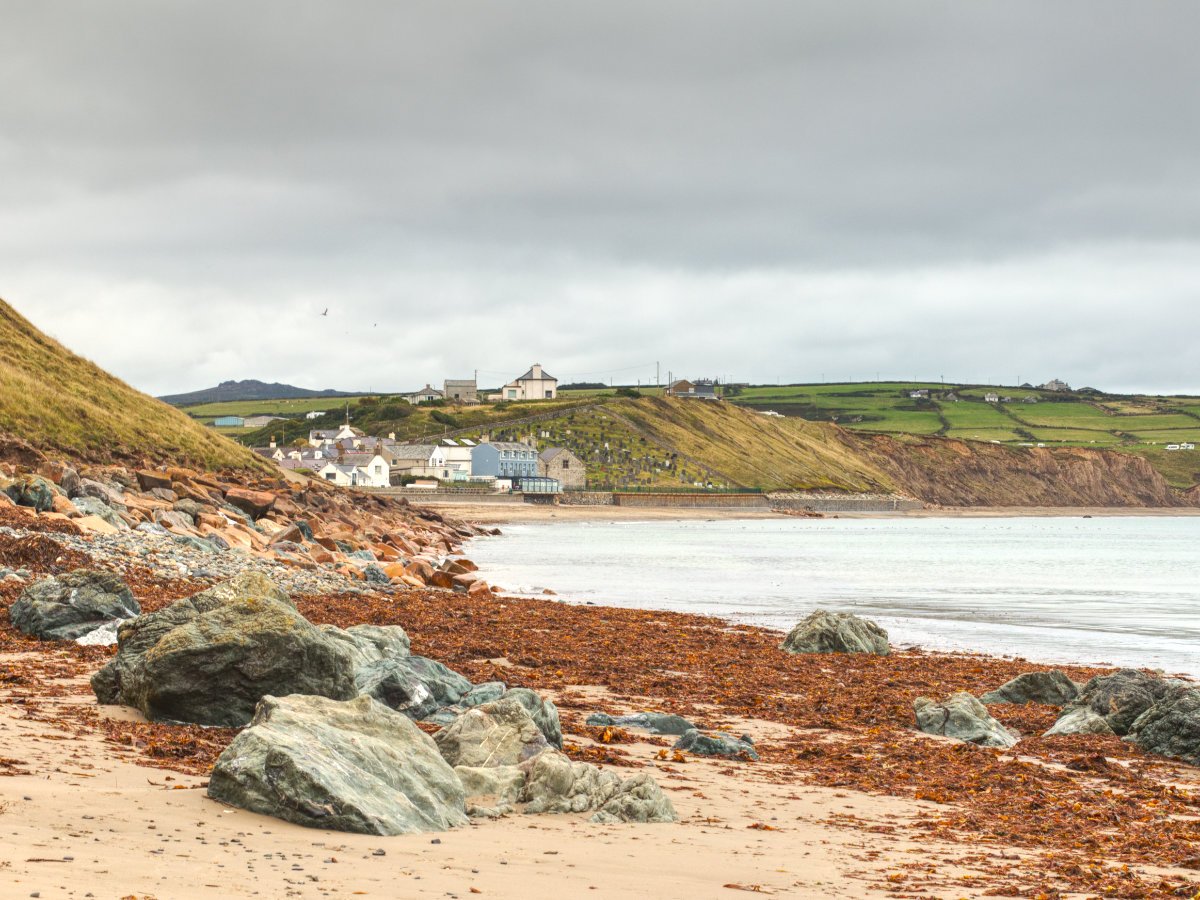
x: 758, y: 189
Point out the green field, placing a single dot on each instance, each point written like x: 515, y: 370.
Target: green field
x: 1133, y: 424
x: 298, y: 407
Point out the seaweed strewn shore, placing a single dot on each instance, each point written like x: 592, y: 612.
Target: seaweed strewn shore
x: 1073, y: 815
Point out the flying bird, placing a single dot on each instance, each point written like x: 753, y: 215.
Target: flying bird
x: 326, y: 311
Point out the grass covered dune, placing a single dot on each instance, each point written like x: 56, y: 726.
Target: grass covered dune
x: 59, y: 401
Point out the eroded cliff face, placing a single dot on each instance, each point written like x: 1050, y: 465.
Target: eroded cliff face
x: 966, y: 473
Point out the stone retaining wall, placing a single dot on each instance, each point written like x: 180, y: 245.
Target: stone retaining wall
x: 585, y: 498
x: 694, y: 501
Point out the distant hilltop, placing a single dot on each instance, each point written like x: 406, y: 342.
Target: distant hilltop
x: 250, y: 390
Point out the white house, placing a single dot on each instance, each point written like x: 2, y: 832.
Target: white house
x: 457, y: 458
x: 991, y: 398
x: 317, y: 437
x: 358, y: 470
x: 536, y: 384
x: 421, y: 460
x: 426, y: 394
x: 315, y: 414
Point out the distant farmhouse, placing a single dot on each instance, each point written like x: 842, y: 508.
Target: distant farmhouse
x: 1055, y: 385
x: 700, y: 389
x: 460, y: 390
x: 427, y: 394
x: 260, y: 421
x: 536, y: 384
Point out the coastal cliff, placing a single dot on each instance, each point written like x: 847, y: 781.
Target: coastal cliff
x: 950, y: 472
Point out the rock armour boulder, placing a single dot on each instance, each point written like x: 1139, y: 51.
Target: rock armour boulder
x: 1052, y: 687
x: 33, y: 491
x: 500, y: 733
x: 68, y: 607
x: 1118, y: 699
x: 964, y: 718
x: 209, y: 658
x: 829, y: 632
x: 1172, y: 726
x: 557, y: 784
x: 414, y: 685
x: 348, y: 766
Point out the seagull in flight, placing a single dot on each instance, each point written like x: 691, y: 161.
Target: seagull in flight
x: 326, y: 311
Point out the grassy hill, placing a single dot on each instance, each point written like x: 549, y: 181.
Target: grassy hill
x: 661, y: 443
x: 655, y: 442
x: 58, y: 401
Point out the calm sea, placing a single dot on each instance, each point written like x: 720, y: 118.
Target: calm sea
x: 1124, y: 591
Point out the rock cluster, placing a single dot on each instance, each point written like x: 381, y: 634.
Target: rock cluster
x: 1110, y: 704
x: 331, y: 741
x: 829, y: 632
x: 374, y: 541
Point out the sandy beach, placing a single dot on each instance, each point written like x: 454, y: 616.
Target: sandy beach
x: 88, y: 820
x: 501, y: 513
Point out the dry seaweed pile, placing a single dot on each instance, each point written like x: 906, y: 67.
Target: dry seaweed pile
x: 40, y: 554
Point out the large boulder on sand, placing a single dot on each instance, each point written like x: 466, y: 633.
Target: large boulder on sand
x: 829, y: 632
x: 963, y: 717
x: 210, y: 658
x: 1118, y: 699
x: 1171, y: 727
x: 1052, y: 687
x: 348, y: 766
x: 501, y: 733
x: 67, y: 607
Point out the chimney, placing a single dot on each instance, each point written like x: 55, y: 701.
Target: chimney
x: 391, y: 435
x: 272, y: 442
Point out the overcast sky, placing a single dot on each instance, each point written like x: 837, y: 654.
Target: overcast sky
x: 767, y: 191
